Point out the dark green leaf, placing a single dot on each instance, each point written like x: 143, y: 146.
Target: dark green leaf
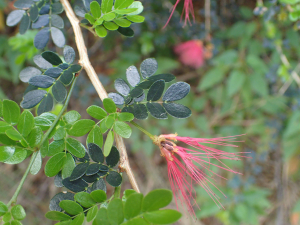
x: 98, y: 196
x: 91, y: 213
x: 157, y: 111
x: 71, y: 207
x: 90, y: 179
x: 18, y: 156
x: 59, y: 216
x: 114, y: 179
x: 95, y: 9
x: 133, y: 206
x: 101, y: 31
x: 58, y: 37
x: 42, y: 38
x: 44, y: 9
x: 71, y: 117
x: 46, y: 104
x: 67, y: 77
x: 57, y: 21
x: 96, y: 112
x: 109, y: 105
x: 3, y: 209
x: 42, y: 21
x: 95, y: 152
x: 52, y: 58
x: 79, y: 171
x: 98, y: 185
x: 140, y: 111
x: 54, y: 72
x: 68, y: 167
x: 81, y: 127
x: 101, y: 217
x: 133, y: 76
x: 41, y: 62
x: 136, y: 92
x: 122, y: 129
x: 157, y: 199
x: 177, y: 110
x: 108, y: 143
x: 59, y: 91
x: 156, y: 90
x: 57, y: 8
x: 56, y: 147
x: 148, y: 67
x: 176, y: 91
x: 84, y: 199
x: 18, y: 212
x: 118, y: 99
x: 75, y: 68
x: 24, y: 25
x: 95, y: 136
x: 115, y: 211
x: 32, y: 98
x: 122, y: 22
x: 69, y: 54
x: 6, y: 152
x: 126, y: 31
x: 14, y: 17
x: 106, y: 5
x: 75, y: 147
x: 58, y: 180
x: 34, y: 13
x: 41, y: 81
x: 11, y: 112
x: 76, y: 185
x: 54, y: 164
x: 166, y: 216
x: 54, y: 202
x: 92, y: 169
x: 37, y: 164
x: 141, y: 98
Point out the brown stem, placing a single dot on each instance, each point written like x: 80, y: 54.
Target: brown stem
x: 86, y: 64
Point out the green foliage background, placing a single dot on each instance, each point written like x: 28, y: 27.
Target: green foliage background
x: 237, y: 91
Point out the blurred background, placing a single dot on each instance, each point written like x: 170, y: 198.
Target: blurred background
x: 241, y: 58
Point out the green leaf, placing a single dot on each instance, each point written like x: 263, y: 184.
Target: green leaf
x: 11, y: 112
x: 6, y: 152
x: 259, y: 84
x: 16, y: 222
x: 136, y: 19
x: 99, y: 21
x: 19, y: 155
x: 78, y: 220
x: 99, y: 195
x: 68, y: 167
x: 122, y: 22
x: 157, y: 199
x: 35, y: 137
x: 113, y: 158
x: 60, y: 133
x: 79, y: 171
x: 96, y: 112
x: 121, y: 4
x: 75, y: 147
x: 107, y: 5
x: 109, y: 16
x: 110, y: 26
x: 109, y: 105
x: 81, y: 127
x: 13, y: 134
x: 37, y: 164
x: 101, y: 217
x: 95, y: 9
x: 156, y: 90
x: 110, y: 120
x: 166, y: 216
x: 125, y: 116
x: 136, y: 5
x: 7, y: 217
x: 133, y: 205
x: 90, y: 18
x: 235, y: 82
x: 177, y: 110
x: 115, y: 211
x: 114, y: 179
x: 95, y: 136
x: 44, y: 148
x: 18, y: 212
x: 91, y: 213
x: 125, y: 11
x: 3, y: 207
x: 1, y: 108
x: 54, y: 164
x: 26, y: 123
x: 122, y: 129
x: 101, y: 31
x: 211, y: 78
x: 96, y: 153
x: 4, y: 126
x: 71, y: 117
x: 136, y: 221
x: 71, y: 207
x: 108, y: 143
x: 84, y: 199
x: 56, y: 147
x: 58, y: 216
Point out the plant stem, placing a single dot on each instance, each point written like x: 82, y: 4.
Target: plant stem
x: 87, y: 66
x: 14, y: 197
x: 142, y: 129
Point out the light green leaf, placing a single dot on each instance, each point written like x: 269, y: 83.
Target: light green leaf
x: 84, y: 199
x: 1, y: 108
x: 75, y: 147
x: 125, y: 11
x: 122, y: 22
x: 26, y: 123
x: 35, y: 137
x: 133, y: 206
x: 110, y: 26
x: 125, y: 116
x: 44, y: 148
x: 107, y: 5
x: 81, y: 127
x: 37, y: 164
x: 101, y: 217
x: 11, y: 112
x: 3, y: 208
x: 6, y: 152
x: 101, y: 31
x: 56, y: 147
x: 108, y: 143
x: 71, y: 207
x: 98, y: 195
x: 95, y: 136
x: 136, y: 18
x: 95, y: 9
x: 109, y: 16
x: 121, y: 4
x: 58, y: 216
x: 96, y: 112
x: 122, y: 129
x: 68, y: 167
x: 115, y: 211
x: 18, y: 212
x: 157, y: 199
x: 71, y: 117
x: 4, y: 126
x: 91, y: 213
x: 54, y: 164
x: 19, y: 155
x: 138, y: 5
x: 78, y: 220
x: 136, y: 221
x: 166, y: 216
x: 13, y: 134
x: 109, y: 105
x: 90, y: 18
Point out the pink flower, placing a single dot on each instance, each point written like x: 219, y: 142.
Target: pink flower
x: 187, y: 10
x: 191, y: 53
x: 188, y: 166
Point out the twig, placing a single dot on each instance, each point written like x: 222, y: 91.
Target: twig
x: 86, y: 64
x: 207, y: 16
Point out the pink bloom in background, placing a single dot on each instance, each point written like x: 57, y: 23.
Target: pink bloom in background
x: 188, y: 166
x: 187, y: 10
x: 191, y: 53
